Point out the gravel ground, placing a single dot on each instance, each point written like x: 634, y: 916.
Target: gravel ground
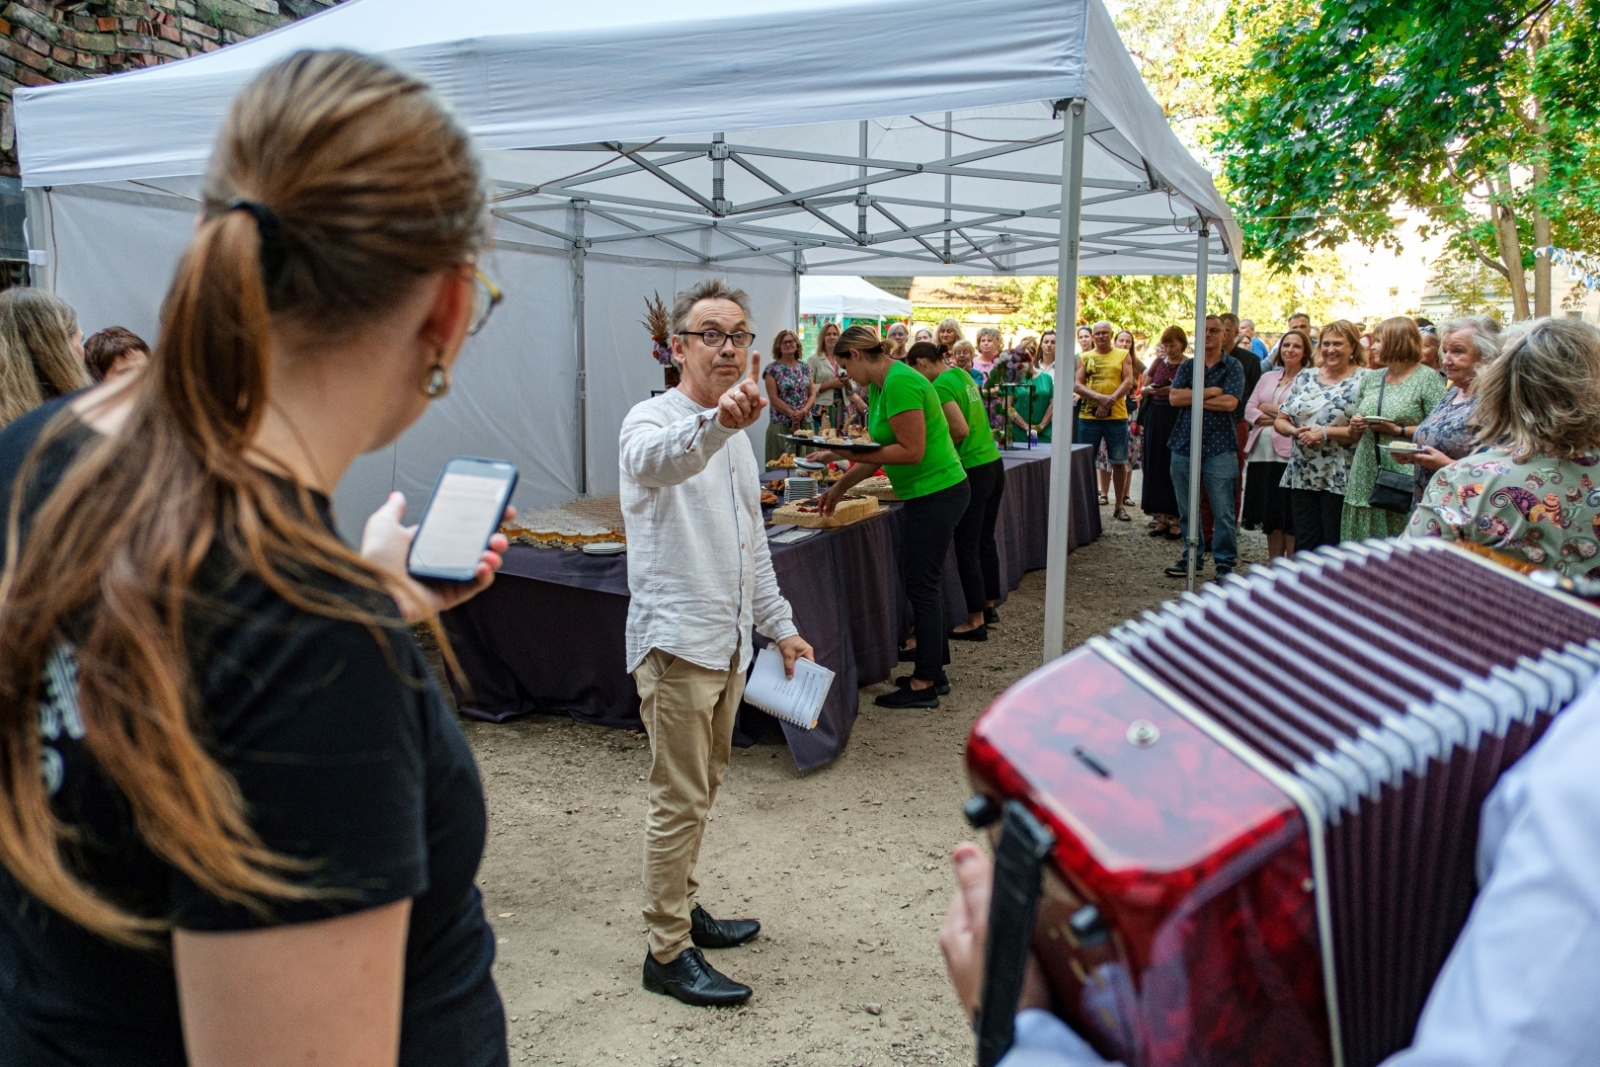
x: 846, y: 866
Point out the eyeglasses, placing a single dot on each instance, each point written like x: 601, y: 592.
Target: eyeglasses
x: 716, y: 338
x: 486, y: 296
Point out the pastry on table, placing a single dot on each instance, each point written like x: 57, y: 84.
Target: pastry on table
x: 784, y: 462
x: 852, y: 508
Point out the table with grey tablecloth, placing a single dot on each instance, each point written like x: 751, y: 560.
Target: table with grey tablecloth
x: 548, y: 636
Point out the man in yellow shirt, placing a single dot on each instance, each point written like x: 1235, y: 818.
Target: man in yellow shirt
x: 1105, y: 378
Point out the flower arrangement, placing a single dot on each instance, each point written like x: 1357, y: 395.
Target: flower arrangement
x: 659, y: 323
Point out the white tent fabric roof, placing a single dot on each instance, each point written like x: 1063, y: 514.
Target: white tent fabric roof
x: 807, y: 181
x: 637, y: 147
x: 853, y: 298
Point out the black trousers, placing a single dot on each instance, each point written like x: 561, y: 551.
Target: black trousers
x: 928, y: 528
x: 977, y: 555
x: 1318, y: 517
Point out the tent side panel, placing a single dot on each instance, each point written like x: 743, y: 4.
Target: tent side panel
x: 514, y: 390
x: 113, y: 255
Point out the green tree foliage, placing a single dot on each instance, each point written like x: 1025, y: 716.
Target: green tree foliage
x: 1481, y: 113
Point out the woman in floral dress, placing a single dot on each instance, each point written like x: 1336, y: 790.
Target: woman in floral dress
x: 1392, y: 401
x: 1533, y: 496
x: 790, y: 390
x: 1316, y: 414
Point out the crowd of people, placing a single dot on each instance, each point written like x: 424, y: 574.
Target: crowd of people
x: 238, y: 823
x: 1332, y: 434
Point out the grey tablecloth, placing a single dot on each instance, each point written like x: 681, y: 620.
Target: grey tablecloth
x: 548, y: 635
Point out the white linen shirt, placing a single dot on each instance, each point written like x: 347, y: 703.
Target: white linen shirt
x: 1521, y: 985
x: 699, y: 569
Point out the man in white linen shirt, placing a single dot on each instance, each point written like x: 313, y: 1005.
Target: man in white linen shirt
x: 1521, y: 984
x: 700, y: 575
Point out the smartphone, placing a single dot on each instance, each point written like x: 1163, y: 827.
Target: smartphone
x: 462, y: 514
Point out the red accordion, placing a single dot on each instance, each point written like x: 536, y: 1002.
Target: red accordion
x: 1259, y: 806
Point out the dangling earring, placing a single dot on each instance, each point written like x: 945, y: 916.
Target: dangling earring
x: 437, y: 382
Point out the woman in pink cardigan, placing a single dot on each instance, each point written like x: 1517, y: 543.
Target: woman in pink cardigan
x: 1266, y: 502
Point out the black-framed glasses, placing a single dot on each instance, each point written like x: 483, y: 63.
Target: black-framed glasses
x: 716, y: 338
x: 486, y: 296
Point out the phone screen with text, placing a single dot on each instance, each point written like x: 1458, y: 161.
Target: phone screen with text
x: 464, y: 511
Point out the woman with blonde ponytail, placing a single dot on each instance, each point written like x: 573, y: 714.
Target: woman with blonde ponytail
x: 41, y: 352
x: 238, y: 825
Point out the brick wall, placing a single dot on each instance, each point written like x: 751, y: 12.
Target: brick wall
x: 42, y: 43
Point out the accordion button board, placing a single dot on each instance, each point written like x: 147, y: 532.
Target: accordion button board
x: 1265, y: 797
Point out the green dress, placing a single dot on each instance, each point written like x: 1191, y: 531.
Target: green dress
x: 1031, y: 404
x: 1408, y: 403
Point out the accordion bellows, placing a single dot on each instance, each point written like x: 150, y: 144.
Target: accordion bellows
x: 1265, y: 798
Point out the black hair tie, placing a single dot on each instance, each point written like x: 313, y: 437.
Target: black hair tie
x: 270, y: 228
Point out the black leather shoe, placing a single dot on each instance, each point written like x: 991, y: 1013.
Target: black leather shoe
x: 991, y: 617
x: 942, y: 686
x: 691, y: 979
x: 977, y: 633
x: 720, y: 933
x: 907, y: 697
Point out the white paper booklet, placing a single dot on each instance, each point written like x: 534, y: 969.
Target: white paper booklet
x: 796, y: 700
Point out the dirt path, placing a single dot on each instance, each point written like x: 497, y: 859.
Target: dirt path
x: 846, y: 867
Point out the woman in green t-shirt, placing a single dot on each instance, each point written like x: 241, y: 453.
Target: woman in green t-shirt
x: 905, y: 417
x: 977, y: 555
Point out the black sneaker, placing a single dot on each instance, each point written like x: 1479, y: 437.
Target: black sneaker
x: 1222, y: 572
x: 942, y: 686
x: 691, y: 979
x: 1180, y: 569
x: 907, y: 697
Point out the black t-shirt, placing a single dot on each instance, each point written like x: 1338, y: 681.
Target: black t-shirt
x: 346, y: 756
x: 1251, y: 364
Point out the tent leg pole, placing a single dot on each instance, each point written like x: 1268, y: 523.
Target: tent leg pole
x: 1236, y: 284
x: 580, y: 317
x: 1055, y: 600
x: 1191, y: 542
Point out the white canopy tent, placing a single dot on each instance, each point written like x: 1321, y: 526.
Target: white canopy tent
x: 829, y: 296
x: 959, y: 150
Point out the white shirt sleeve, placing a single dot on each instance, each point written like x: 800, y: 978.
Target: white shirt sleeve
x: 1042, y: 1040
x: 657, y: 455
x: 1522, y: 984
x: 774, y: 616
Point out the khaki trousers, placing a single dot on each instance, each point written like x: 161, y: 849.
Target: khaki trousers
x: 688, y: 711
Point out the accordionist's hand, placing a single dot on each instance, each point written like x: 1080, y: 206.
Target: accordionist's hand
x: 965, y: 932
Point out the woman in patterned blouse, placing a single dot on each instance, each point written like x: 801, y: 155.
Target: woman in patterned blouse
x: 1532, y: 495
x: 1316, y: 414
x: 790, y: 390
x: 1446, y: 435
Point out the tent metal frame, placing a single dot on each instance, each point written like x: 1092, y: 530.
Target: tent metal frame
x: 992, y: 239
x: 997, y: 240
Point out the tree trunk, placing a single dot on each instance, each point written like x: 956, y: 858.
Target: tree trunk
x: 1541, y: 174
x: 1510, y: 246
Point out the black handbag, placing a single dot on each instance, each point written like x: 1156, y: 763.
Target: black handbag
x: 1391, y: 490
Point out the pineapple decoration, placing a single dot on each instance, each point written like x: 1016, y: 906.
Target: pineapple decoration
x: 659, y: 322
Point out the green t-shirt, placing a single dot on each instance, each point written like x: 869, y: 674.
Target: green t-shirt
x: 906, y: 390
x: 978, y: 447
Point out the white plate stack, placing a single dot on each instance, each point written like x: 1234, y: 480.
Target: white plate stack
x: 799, y: 489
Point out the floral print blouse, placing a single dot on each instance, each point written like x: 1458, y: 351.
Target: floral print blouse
x: 793, y: 382
x: 1543, y: 509
x: 1313, y: 402
x: 1447, y: 430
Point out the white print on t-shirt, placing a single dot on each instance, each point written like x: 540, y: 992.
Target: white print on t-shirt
x: 59, y: 711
